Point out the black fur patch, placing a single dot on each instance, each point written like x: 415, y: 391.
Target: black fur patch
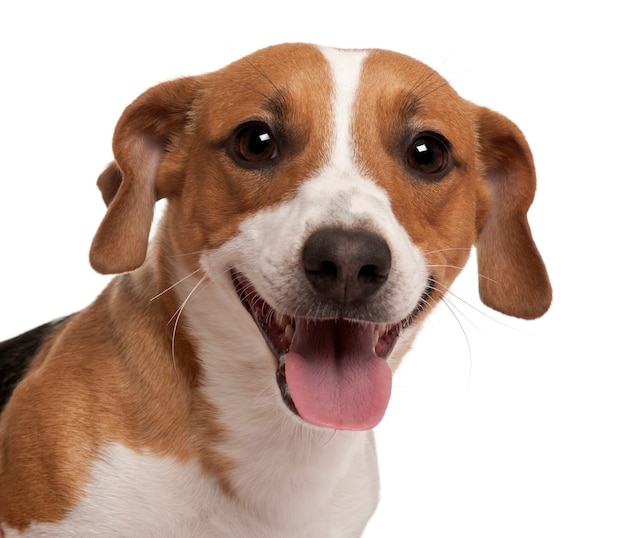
x: 17, y: 354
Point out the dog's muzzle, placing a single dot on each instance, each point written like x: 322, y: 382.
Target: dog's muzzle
x: 332, y: 369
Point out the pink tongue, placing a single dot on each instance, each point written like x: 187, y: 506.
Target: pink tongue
x: 335, y: 379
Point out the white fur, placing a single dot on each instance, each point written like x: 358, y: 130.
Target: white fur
x: 290, y: 478
x: 346, y: 70
x: 142, y: 495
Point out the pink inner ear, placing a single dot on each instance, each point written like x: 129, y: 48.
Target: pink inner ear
x: 143, y: 157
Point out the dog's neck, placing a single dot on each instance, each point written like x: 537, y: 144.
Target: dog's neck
x: 274, y: 454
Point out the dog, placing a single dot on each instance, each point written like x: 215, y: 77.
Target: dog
x: 320, y: 202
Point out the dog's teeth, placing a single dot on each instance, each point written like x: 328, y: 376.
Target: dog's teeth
x: 281, y: 320
x: 375, y: 337
x: 289, y: 330
x: 379, y: 329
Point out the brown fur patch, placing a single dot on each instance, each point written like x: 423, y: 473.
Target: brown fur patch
x: 109, y: 377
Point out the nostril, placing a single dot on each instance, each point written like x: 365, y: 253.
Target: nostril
x: 328, y: 269
x: 373, y: 273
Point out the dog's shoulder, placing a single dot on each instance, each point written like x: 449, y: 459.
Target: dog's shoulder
x: 17, y: 354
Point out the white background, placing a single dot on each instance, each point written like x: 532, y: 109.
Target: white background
x: 497, y: 427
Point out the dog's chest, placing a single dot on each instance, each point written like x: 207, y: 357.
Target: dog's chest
x: 143, y: 495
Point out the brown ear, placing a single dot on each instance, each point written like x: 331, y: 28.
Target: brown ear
x: 513, y: 277
x: 146, y: 131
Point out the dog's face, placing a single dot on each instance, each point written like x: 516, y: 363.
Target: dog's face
x: 335, y: 195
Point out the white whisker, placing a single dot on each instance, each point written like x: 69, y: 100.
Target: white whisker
x: 465, y: 335
x: 478, y: 310
x: 179, y: 312
x: 449, y: 249
x: 174, y: 285
x: 186, y: 254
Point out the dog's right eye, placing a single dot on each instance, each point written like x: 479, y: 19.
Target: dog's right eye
x: 429, y: 156
x: 255, y: 144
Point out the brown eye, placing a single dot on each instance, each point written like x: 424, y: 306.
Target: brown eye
x: 255, y: 143
x: 429, y: 156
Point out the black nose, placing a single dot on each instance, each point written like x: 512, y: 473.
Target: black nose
x: 346, y: 266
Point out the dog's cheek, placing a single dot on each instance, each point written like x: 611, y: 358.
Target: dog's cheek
x: 205, y: 216
x: 440, y: 220
x: 171, y: 176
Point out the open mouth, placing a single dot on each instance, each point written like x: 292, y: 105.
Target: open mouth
x: 331, y: 372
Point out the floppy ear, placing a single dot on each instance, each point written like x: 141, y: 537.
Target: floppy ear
x: 147, y: 130
x: 513, y: 277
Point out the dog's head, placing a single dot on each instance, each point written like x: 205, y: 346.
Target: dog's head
x: 341, y: 193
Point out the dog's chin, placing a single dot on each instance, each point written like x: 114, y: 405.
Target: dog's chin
x: 323, y: 348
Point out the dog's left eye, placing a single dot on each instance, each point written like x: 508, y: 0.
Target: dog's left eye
x: 428, y: 155
x: 255, y: 143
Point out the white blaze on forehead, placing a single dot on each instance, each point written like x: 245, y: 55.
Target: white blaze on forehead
x: 341, y: 194
x: 345, y: 67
